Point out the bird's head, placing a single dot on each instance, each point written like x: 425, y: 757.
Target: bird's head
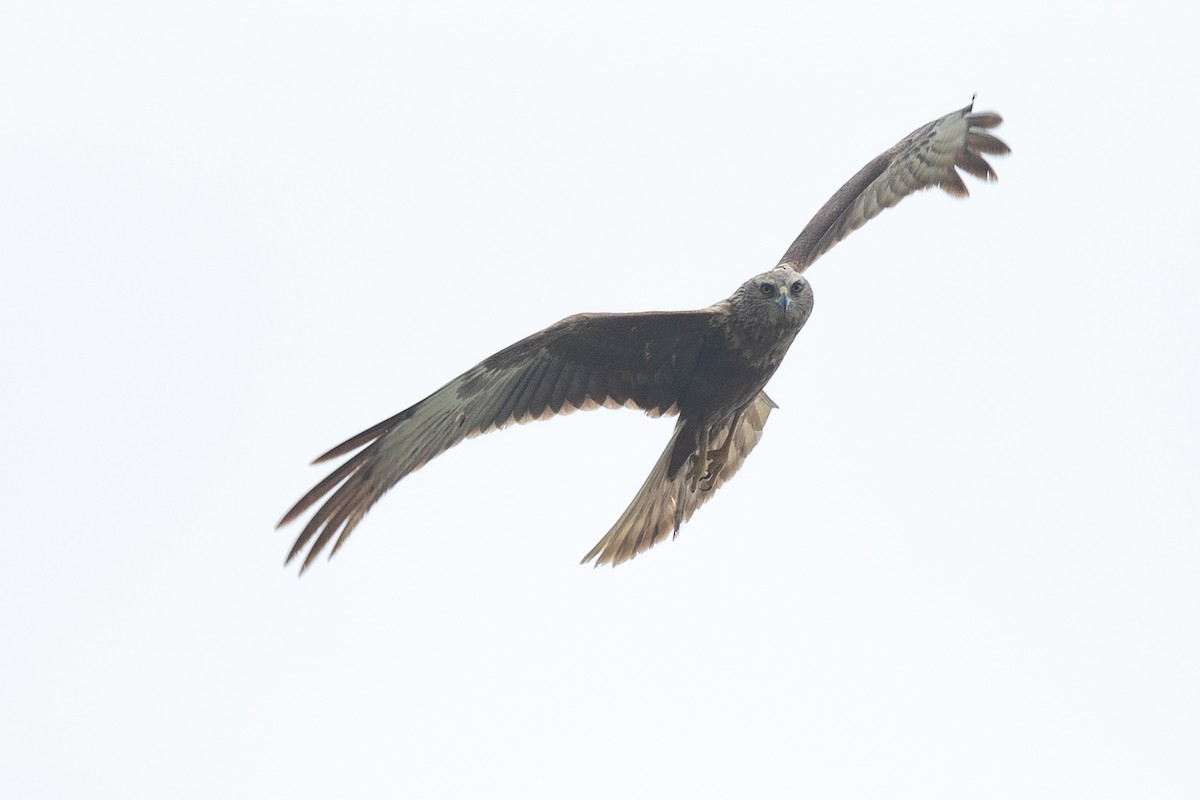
x: 779, y: 296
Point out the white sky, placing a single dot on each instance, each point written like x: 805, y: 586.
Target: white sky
x: 962, y: 563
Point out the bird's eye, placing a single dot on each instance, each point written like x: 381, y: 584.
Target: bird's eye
x: 797, y: 287
x: 767, y: 289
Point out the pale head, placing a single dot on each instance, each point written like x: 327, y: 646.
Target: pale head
x: 780, y: 297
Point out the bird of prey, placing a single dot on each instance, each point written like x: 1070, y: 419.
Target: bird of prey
x: 708, y: 366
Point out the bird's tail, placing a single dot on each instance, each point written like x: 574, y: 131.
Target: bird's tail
x: 664, y: 503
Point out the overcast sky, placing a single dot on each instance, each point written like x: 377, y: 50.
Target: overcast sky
x: 962, y: 563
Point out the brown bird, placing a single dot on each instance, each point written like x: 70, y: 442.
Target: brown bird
x: 707, y: 366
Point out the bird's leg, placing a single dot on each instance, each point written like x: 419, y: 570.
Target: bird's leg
x: 718, y: 458
x: 698, y: 469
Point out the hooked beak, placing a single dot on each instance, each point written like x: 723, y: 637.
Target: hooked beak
x: 784, y: 299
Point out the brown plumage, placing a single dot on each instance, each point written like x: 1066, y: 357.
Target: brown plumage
x: 708, y: 366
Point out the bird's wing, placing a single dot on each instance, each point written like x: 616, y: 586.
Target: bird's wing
x: 586, y: 361
x: 663, y: 503
x: 926, y: 157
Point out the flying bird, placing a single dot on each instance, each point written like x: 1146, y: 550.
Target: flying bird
x: 707, y: 366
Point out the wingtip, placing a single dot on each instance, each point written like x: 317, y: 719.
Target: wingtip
x: 602, y: 558
x: 287, y: 562
x: 328, y: 454
x: 291, y: 514
x: 308, y: 560
x: 985, y: 119
x: 952, y: 184
x: 295, y: 551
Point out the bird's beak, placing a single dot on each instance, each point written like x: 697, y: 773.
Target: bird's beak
x: 784, y: 299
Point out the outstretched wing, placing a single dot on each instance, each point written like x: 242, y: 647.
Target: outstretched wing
x: 585, y: 361
x: 663, y: 503
x: 926, y: 157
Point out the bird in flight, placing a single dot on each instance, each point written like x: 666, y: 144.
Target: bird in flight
x: 707, y: 366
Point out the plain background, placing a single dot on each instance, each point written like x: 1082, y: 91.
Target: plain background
x: 962, y: 563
